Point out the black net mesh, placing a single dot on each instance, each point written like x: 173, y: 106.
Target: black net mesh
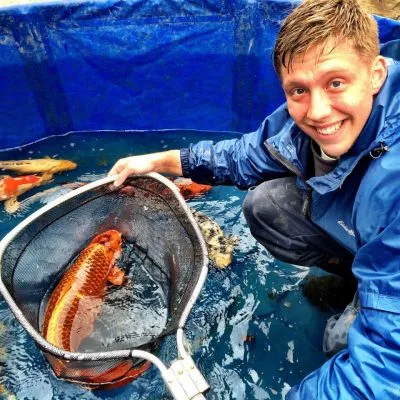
x: 162, y: 258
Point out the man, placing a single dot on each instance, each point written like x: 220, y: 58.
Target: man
x: 323, y: 173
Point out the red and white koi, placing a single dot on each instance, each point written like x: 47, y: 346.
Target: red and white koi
x: 12, y: 187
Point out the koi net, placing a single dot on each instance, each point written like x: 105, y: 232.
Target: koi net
x: 164, y: 260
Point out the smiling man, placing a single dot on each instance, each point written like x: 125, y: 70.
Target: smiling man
x: 323, y: 176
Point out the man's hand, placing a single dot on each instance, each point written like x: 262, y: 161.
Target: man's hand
x: 166, y: 162
x: 131, y: 166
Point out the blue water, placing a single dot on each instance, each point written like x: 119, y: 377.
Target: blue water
x: 252, y: 333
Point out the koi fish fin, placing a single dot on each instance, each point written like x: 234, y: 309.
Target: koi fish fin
x: 11, y: 205
x: 116, y: 276
x: 46, y: 176
x: 233, y: 240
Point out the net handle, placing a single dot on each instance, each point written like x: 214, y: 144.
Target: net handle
x: 183, y: 379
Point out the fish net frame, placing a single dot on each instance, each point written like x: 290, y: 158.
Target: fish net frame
x: 167, y: 200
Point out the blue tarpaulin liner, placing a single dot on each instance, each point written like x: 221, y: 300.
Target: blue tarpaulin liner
x: 143, y: 65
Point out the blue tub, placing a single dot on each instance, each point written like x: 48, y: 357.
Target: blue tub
x: 186, y: 66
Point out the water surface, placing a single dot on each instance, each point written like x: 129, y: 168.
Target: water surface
x: 252, y: 333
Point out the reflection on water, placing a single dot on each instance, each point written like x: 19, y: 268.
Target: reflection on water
x: 252, y: 333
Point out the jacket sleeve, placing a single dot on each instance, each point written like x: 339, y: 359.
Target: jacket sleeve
x: 243, y: 162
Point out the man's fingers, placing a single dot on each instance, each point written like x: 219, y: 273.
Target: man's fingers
x: 118, y: 181
x: 112, y: 171
x: 116, y: 169
x: 121, y: 177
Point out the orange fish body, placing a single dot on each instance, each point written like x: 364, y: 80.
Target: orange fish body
x: 190, y: 189
x: 75, y: 303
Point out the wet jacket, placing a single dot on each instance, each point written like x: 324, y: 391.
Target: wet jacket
x: 358, y: 203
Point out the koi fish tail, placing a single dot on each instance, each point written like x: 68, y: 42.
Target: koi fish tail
x: 11, y: 205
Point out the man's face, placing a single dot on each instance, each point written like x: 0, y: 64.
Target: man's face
x: 330, y: 95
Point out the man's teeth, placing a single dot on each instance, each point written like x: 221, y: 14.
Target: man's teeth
x: 330, y: 129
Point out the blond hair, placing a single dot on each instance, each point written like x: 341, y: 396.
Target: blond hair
x: 315, y: 22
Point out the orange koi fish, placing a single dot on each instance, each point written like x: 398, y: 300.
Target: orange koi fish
x: 76, y: 301
x: 190, y: 189
x: 11, y: 188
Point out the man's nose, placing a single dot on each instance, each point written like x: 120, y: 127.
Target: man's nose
x: 320, y: 106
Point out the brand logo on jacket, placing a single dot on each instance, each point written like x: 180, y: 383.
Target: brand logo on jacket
x: 346, y: 228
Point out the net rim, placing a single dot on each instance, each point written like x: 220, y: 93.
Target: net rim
x: 114, y: 354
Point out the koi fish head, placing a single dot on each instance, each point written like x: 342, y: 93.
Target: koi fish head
x: 62, y: 165
x: 111, y: 240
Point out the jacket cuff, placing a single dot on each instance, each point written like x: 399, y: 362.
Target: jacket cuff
x: 185, y: 162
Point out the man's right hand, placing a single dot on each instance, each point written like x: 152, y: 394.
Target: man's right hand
x: 164, y: 162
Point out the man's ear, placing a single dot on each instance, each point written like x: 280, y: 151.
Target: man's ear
x: 378, y: 73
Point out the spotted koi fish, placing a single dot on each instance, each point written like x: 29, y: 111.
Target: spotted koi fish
x: 76, y: 301
x: 219, y: 246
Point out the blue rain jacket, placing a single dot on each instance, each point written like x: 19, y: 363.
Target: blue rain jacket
x: 358, y: 203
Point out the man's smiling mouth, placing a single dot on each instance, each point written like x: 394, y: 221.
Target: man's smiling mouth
x: 329, y: 130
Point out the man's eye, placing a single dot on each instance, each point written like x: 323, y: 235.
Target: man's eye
x: 336, y: 84
x: 298, y: 91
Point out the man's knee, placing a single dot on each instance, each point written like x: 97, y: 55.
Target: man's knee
x: 273, y: 211
x: 264, y: 205
x: 269, y: 223
x: 253, y: 203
